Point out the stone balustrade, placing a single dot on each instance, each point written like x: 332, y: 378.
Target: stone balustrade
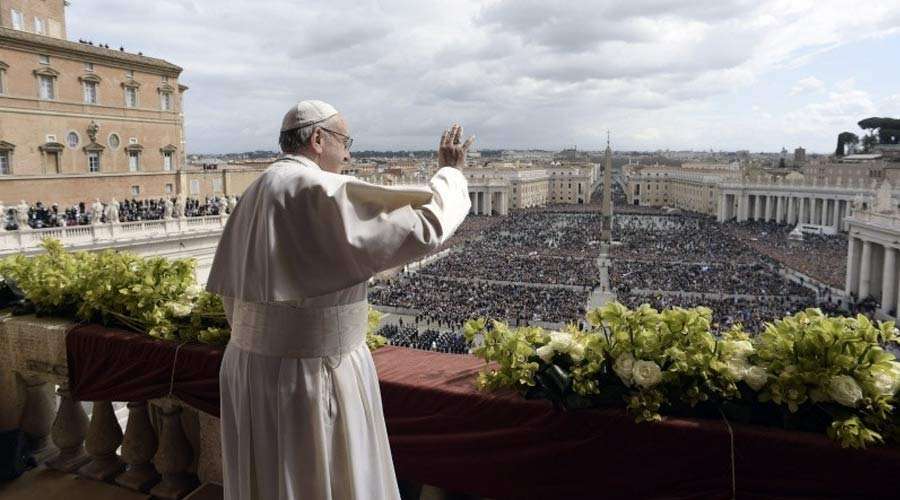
x: 167, y: 448
x: 104, y: 235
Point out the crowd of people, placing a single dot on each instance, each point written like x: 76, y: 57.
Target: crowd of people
x: 450, y: 303
x: 726, y: 278
x: 487, y: 265
x: 427, y: 339
x: 770, y: 239
x: 40, y: 215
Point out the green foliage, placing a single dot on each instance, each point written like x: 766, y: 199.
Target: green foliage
x: 152, y: 295
x: 830, y: 369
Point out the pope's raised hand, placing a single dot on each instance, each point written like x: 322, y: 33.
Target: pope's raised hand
x: 450, y: 152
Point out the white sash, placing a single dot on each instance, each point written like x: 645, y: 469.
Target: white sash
x: 290, y: 331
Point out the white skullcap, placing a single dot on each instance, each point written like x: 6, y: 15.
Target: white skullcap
x: 307, y: 113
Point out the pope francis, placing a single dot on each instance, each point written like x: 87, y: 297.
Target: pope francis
x: 301, y: 407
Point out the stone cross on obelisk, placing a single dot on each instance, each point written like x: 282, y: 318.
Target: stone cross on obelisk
x: 606, y: 231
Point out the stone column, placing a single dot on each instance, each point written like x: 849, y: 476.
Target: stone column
x: 889, y: 280
x: 836, y: 223
x: 789, y: 200
x: 865, y: 266
x: 720, y: 215
x: 757, y: 208
x: 489, y: 202
x: 37, y: 415
x: 138, y: 448
x: 103, y: 439
x: 68, y: 432
x: 173, y: 458
x: 852, y: 282
x: 779, y: 210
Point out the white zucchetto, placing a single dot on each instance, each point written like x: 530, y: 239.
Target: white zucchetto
x: 306, y: 113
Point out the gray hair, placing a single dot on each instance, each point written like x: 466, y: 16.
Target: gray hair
x: 296, y: 139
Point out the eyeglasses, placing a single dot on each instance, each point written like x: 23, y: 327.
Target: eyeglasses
x: 347, y: 140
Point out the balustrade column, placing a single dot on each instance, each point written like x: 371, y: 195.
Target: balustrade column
x: 865, y: 277
x: 138, y: 448
x: 37, y: 415
x: 889, y: 280
x: 68, y: 431
x: 103, y: 439
x: 173, y: 458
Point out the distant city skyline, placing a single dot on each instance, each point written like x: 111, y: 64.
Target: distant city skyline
x: 722, y: 75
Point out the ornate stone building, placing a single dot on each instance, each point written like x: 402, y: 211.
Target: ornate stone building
x: 79, y: 121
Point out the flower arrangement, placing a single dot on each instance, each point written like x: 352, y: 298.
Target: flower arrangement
x: 152, y: 295
x: 829, y: 374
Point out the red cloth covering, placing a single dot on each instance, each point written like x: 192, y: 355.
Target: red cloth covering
x: 118, y: 365
x: 445, y: 433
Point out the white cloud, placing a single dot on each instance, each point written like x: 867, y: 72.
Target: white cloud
x: 519, y: 73
x: 808, y: 85
x: 844, y: 106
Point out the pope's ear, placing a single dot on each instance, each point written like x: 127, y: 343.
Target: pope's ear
x: 316, y: 140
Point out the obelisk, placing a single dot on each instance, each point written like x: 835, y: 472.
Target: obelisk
x: 606, y: 206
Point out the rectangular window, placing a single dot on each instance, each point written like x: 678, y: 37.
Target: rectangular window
x: 135, y: 190
x: 47, y: 91
x: 4, y: 163
x: 93, y: 161
x: 89, y: 66
x: 130, y: 73
x: 2, y: 81
x: 165, y: 101
x: 55, y: 29
x: 217, y: 185
x: 90, y: 92
x: 168, y: 189
x: 167, y: 161
x: 44, y: 59
x: 130, y: 97
x: 195, y: 187
x: 39, y: 26
x: 134, y: 161
x: 17, y: 20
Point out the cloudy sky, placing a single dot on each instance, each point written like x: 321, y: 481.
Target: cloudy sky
x: 661, y: 74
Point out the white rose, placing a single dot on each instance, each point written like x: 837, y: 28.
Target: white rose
x: 884, y: 383
x: 545, y: 353
x: 179, y: 310
x: 756, y: 377
x: 561, y: 341
x: 577, y: 352
x: 192, y: 291
x: 623, y: 367
x: 742, y: 348
x: 845, y: 390
x: 737, y: 368
x: 646, y: 373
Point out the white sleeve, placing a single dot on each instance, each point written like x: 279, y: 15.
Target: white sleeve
x: 364, y: 228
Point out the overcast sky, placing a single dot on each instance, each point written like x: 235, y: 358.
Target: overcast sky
x: 676, y: 74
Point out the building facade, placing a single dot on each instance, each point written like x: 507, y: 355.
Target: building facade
x: 79, y: 121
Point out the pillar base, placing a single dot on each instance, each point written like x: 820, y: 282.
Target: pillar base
x: 102, y: 469
x: 69, y: 460
x: 175, y: 487
x: 139, y: 478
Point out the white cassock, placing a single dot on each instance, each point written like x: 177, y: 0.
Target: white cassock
x: 301, y: 406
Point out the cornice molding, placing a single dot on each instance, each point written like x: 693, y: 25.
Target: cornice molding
x: 7, y: 146
x: 46, y: 71
x: 51, y: 147
x: 72, y: 50
x: 90, y: 77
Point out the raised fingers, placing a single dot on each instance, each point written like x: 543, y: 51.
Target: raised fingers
x: 457, y: 133
x: 445, y: 138
x: 468, y: 143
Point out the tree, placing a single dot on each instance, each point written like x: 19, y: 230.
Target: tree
x: 888, y: 129
x: 845, y: 139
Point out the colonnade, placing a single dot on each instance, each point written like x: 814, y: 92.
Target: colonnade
x: 488, y: 201
x: 820, y: 210
x: 872, y: 271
